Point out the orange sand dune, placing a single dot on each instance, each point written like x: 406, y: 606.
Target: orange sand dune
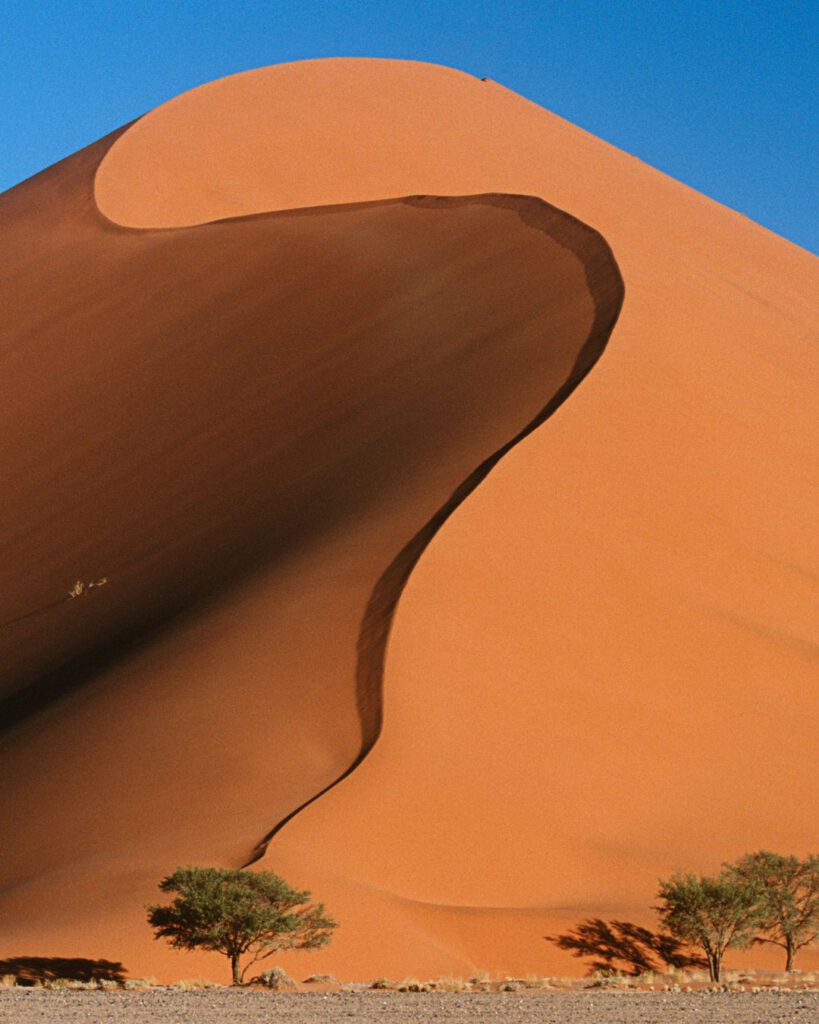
x: 600, y: 668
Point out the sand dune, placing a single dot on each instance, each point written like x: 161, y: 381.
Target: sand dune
x: 600, y: 667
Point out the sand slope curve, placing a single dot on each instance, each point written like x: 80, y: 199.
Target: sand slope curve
x: 601, y: 669
x: 638, y: 624
x: 254, y: 425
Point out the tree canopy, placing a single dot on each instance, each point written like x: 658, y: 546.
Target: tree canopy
x: 242, y: 914
x: 788, y: 891
x: 713, y: 913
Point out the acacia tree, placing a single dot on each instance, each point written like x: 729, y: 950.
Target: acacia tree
x: 238, y: 913
x: 789, y: 897
x: 713, y: 913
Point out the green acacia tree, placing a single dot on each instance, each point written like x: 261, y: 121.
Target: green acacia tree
x: 241, y: 914
x: 713, y: 913
x: 789, y: 894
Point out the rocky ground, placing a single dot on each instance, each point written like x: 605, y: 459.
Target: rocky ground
x: 224, y: 1006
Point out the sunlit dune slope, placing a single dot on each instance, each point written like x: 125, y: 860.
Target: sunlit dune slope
x: 603, y: 667
x: 244, y: 433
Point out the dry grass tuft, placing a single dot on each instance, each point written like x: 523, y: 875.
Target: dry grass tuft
x: 413, y: 985
x: 612, y: 979
x: 194, y: 984
x: 448, y: 983
x: 537, y: 981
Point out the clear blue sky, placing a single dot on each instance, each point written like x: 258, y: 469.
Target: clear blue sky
x: 721, y: 94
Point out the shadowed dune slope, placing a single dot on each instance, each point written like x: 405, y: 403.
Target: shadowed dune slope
x: 603, y: 667
x: 244, y: 433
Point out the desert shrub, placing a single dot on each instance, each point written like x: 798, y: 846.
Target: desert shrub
x: 413, y: 985
x: 381, y: 983
x: 277, y: 979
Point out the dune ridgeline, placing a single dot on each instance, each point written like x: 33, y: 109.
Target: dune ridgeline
x: 330, y: 546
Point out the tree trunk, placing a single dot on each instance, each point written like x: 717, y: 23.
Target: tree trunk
x: 234, y: 963
x: 789, y: 953
x: 714, y: 965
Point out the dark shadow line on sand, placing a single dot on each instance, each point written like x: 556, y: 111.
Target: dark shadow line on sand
x: 606, y: 287
x: 600, y: 266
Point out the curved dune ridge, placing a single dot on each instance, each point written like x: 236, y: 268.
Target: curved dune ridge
x: 287, y: 403
x: 257, y: 424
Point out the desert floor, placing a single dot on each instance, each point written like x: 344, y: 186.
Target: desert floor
x: 164, y: 1007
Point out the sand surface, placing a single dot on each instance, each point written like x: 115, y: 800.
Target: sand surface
x: 602, y: 666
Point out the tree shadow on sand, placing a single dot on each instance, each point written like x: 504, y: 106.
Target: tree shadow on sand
x: 624, y: 946
x: 31, y: 970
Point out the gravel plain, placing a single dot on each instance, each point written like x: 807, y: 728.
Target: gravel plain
x: 162, y: 1006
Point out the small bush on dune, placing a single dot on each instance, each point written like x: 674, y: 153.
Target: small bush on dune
x: 8, y: 980
x: 194, y: 984
x: 381, y: 983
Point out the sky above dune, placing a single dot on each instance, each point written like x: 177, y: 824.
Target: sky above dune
x: 720, y: 96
